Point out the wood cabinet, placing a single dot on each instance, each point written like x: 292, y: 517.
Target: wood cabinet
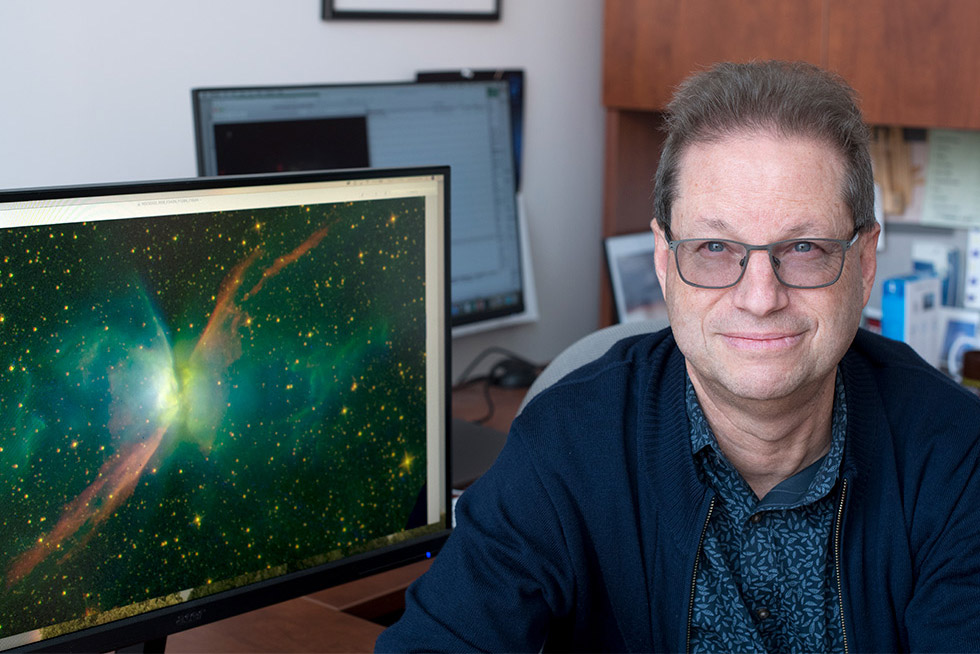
x: 912, y: 62
x: 649, y: 46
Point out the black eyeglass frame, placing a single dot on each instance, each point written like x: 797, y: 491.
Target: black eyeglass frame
x: 773, y: 260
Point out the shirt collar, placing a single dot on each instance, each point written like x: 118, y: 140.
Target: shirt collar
x: 807, y: 485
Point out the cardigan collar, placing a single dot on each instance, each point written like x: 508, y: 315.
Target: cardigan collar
x: 664, y: 445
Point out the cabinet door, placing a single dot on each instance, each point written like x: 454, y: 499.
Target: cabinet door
x: 651, y: 45
x: 914, y: 62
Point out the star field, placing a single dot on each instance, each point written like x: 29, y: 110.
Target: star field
x: 191, y: 399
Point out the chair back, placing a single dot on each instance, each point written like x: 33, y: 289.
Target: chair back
x: 586, y: 349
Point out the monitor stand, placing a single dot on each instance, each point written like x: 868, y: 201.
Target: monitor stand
x: 153, y: 646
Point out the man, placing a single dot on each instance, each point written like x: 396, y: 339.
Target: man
x: 761, y: 476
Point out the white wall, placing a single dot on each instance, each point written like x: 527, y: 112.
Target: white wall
x: 99, y: 91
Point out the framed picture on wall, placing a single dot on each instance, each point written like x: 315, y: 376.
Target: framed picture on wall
x: 413, y: 9
x: 635, y: 288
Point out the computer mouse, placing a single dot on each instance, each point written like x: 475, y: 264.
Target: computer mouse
x: 513, y: 373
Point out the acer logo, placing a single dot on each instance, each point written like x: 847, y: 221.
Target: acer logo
x: 190, y: 617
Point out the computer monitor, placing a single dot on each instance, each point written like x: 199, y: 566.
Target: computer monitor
x: 463, y: 124
x: 515, y: 89
x: 216, y: 394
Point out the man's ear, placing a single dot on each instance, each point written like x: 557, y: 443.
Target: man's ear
x: 868, y: 251
x: 661, y: 253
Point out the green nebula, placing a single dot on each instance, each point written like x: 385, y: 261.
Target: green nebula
x: 188, y: 400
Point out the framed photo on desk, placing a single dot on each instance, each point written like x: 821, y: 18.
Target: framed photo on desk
x: 635, y: 288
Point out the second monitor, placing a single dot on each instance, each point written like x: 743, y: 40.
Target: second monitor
x: 466, y: 125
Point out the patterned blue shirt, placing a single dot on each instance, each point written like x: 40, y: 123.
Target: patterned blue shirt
x: 766, y: 579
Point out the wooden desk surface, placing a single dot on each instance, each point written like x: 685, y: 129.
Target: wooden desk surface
x: 470, y: 403
x: 334, y: 620
x: 373, y: 596
x: 299, y: 625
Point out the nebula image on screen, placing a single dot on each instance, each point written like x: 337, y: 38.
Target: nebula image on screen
x: 192, y: 402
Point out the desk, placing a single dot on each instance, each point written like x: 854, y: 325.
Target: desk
x: 337, y: 619
x: 299, y: 625
x: 470, y: 403
x: 474, y: 447
x: 334, y: 620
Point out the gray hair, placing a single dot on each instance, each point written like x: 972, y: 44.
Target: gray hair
x: 781, y: 98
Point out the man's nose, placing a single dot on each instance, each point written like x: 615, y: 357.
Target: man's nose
x: 759, y: 291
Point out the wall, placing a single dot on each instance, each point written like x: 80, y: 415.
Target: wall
x: 99, y: 91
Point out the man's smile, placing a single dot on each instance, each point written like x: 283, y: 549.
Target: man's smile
x: 762, y: 341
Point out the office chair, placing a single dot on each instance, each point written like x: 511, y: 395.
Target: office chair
x: 586, y: 349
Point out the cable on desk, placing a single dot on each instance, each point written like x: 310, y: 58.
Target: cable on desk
x: 495, y: 372
x: 512, y: 371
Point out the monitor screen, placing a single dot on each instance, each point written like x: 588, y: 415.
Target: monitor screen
x: 515, y: 88
x: 463, y: 124
x: 216, y: 394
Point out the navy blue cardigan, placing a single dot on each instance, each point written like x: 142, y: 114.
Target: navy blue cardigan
x: 584, y: 534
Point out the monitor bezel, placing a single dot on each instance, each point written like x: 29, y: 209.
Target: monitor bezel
x: 155, y: 625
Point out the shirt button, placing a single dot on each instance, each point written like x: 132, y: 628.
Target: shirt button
x: 763, y: 613
x: 756, y: 518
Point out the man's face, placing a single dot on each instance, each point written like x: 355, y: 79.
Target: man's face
x: 761, y: 340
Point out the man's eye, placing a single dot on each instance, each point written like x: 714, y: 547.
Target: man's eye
x: 714, y: 247
x: 802, y: 247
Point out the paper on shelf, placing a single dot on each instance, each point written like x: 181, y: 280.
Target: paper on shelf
x: 952, y: 193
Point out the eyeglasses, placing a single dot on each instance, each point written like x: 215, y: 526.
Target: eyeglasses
x: 798, y: 263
